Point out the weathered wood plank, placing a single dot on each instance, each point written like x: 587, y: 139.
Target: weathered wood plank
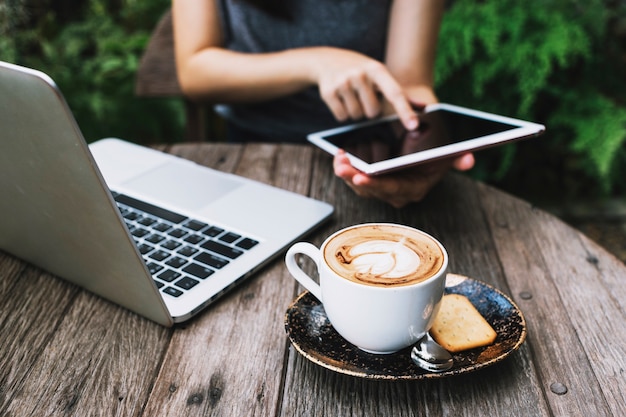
x: 32, y: 304
x: 313, y: 391
x: 98, y: 361
x: 208, y: 379
x: 575, y: 314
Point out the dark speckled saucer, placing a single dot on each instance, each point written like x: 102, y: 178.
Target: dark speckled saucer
x: 314, y: 337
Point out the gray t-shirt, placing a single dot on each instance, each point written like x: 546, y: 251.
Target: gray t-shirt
x: 359, y: 25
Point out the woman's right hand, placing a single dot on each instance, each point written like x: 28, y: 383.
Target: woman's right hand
x: 351, y: 84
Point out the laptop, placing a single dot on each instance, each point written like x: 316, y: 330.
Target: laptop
x: 152, y: 232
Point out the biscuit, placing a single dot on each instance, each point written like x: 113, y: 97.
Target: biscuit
x: 459, y: 326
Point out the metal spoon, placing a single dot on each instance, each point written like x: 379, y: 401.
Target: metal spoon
x: 429, y: 355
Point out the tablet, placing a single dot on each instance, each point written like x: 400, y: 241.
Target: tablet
x: 383, y: 145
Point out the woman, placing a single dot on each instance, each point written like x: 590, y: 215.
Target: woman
x: 285, y: 68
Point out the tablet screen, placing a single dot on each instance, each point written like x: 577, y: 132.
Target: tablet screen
x: 440, y: 127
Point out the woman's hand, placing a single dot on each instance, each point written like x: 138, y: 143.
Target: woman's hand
x: 351, y: 85
x: 402, y: 187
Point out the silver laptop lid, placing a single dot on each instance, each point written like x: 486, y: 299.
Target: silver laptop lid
x: 56, y: 211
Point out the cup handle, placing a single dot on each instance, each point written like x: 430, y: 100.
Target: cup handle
x: 312, y: 252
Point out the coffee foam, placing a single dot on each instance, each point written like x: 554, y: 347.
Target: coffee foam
x: 384, y: 255
x: 383, y: 259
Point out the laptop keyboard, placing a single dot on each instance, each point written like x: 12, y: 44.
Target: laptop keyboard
x: 180, y: 252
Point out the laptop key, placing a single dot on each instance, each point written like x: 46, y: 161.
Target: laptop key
x: 177, y: 233
x: 198, y: 270
x: 211, y: 260
x: 168, y: 275
x: 154, y: 238
x: 186, y: 283
x: 213, y: 231
x: 154, y: 268
x: 221, y: 249
x: 139, y: 232
x: 195, y: 225
x: 176, y: 262
x: 162, y: 227
x: 229, y: 237
x: 171, y: 245
x: 131, y: 215
x: 188, y: 251
x: 146, y: 221
x: 172, y: 291
x: 246, y: 243
x: 194, y: 239
x: 159, y: 255
x: 143, y: 248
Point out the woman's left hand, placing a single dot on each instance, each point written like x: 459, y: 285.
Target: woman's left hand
x: 402, y: 187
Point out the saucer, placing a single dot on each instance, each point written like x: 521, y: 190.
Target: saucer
x: 311, y: 333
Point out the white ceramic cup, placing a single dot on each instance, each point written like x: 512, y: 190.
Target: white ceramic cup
x: 377, y: 319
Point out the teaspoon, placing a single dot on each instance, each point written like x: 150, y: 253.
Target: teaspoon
x: 429, y: 355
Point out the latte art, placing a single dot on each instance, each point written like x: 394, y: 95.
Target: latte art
x: 384, y: 255
x: 382, y: 259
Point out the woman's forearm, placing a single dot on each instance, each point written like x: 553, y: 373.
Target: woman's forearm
x: 412, y: 41
x: 219, y: 75
x: 209, y: 72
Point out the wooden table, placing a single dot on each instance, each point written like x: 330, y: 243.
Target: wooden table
x: 64, y: 351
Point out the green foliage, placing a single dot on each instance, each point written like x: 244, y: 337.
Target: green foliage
x: 557, y: 62
x: 598, y: 134
x: 94, y: 59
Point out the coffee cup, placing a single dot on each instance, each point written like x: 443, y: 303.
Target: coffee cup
x: 381, y: 284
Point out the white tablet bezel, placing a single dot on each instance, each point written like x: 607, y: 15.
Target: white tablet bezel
x: 522, y: 130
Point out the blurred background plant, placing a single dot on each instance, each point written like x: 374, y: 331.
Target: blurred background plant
x: 91, y: 48
x: 557, y: 62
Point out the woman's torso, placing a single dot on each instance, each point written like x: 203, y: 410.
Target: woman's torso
x: 359, y: 25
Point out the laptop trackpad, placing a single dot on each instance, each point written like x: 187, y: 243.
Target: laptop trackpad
x: 183, y: 184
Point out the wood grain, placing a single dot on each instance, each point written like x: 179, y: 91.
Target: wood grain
x: 64, y: 351
x: 80, y: 354
x: 569, y: 294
